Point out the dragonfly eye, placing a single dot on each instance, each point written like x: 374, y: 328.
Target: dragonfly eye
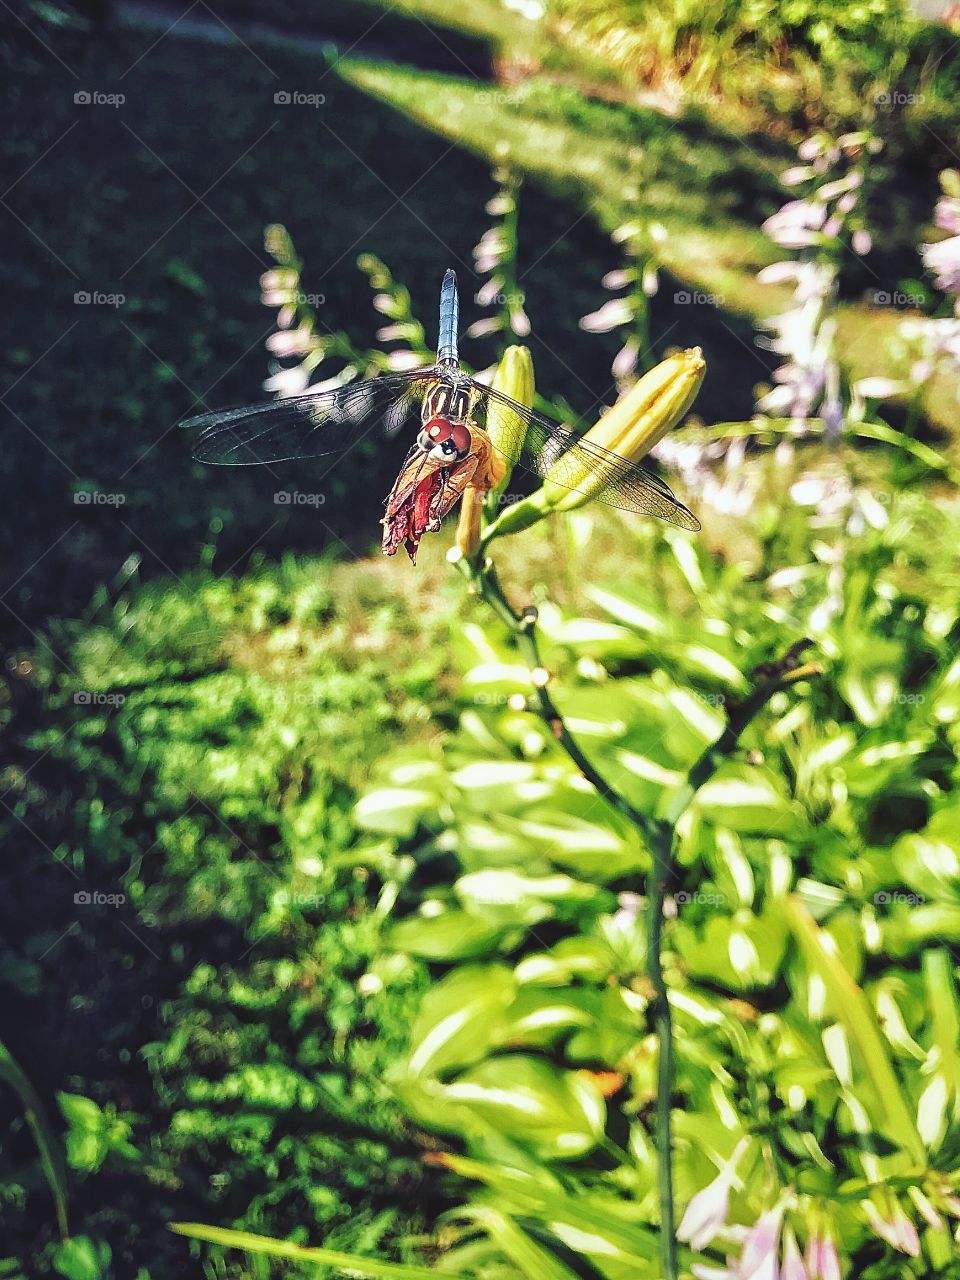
x: 443, y: 440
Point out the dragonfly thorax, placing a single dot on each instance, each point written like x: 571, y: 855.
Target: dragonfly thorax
x: 450, y: 400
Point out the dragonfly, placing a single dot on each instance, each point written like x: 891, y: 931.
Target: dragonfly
x: 450, y: 417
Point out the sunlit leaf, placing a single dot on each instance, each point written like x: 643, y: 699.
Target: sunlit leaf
x: 263, y: 1245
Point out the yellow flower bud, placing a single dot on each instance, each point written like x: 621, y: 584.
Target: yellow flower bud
x: 629, y: 430
x: 633, y: 426
x: 514, y: 378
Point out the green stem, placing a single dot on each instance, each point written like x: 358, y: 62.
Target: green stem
x: 658, y: 835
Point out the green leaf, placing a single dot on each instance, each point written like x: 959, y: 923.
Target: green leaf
x: 459, y: 1017
x: 642, y: 616
x: 593, y: 851
x: 452, y: 935
x: 945, y: 1014
x: 251, y: 1243
x: 748, y: 800
x: 558, y: 1114
x: 81, y: 1258
x: 507, y: 897
x: 530, y: 1258
x: 595, y: 1225
x: 394, y: 810
x: 51, y: 1155
x: 852, y: 1009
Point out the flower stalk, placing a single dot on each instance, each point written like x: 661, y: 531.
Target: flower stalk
x: 629, y: 430
x: 657, y: 833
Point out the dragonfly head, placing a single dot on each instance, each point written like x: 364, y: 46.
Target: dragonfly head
x: 444, y: 442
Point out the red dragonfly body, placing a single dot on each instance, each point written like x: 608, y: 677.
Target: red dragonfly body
x: 451, y: 453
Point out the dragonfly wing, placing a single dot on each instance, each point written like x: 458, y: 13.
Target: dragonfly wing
x: 529, y: 440
x: 309, y: 426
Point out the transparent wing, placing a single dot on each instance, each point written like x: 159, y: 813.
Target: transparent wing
x: 309, y: 426
x: 531, y: 441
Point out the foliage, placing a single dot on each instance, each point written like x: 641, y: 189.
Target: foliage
x: 814, y: 59
x: 276, y: 999
x: 192, y: 753
x: 842, y: 810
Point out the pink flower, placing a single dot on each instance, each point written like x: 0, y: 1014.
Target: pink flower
x: 758, y: 1259
x: 896, y: 1228
x: 488, y: 291
x: 481, y: 328
x: 821, y: 1258
x: 796, y: 224
x: 625, y: 361
x: 618, y: 279
x: 943, y: 259
x: 610, y: 316
x: 706, y: 1214
x: 947, y: 214
x: 288, y: 382
x: 290, y: 342
x: 519, y: 322
x: 792, y: 1267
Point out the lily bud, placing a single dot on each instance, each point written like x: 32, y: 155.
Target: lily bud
x: 514, y: 378
x: 629, y: 430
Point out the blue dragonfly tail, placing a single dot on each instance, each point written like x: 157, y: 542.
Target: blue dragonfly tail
x: 449, y: 319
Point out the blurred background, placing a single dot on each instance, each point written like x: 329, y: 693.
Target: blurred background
x: 202, y: 999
